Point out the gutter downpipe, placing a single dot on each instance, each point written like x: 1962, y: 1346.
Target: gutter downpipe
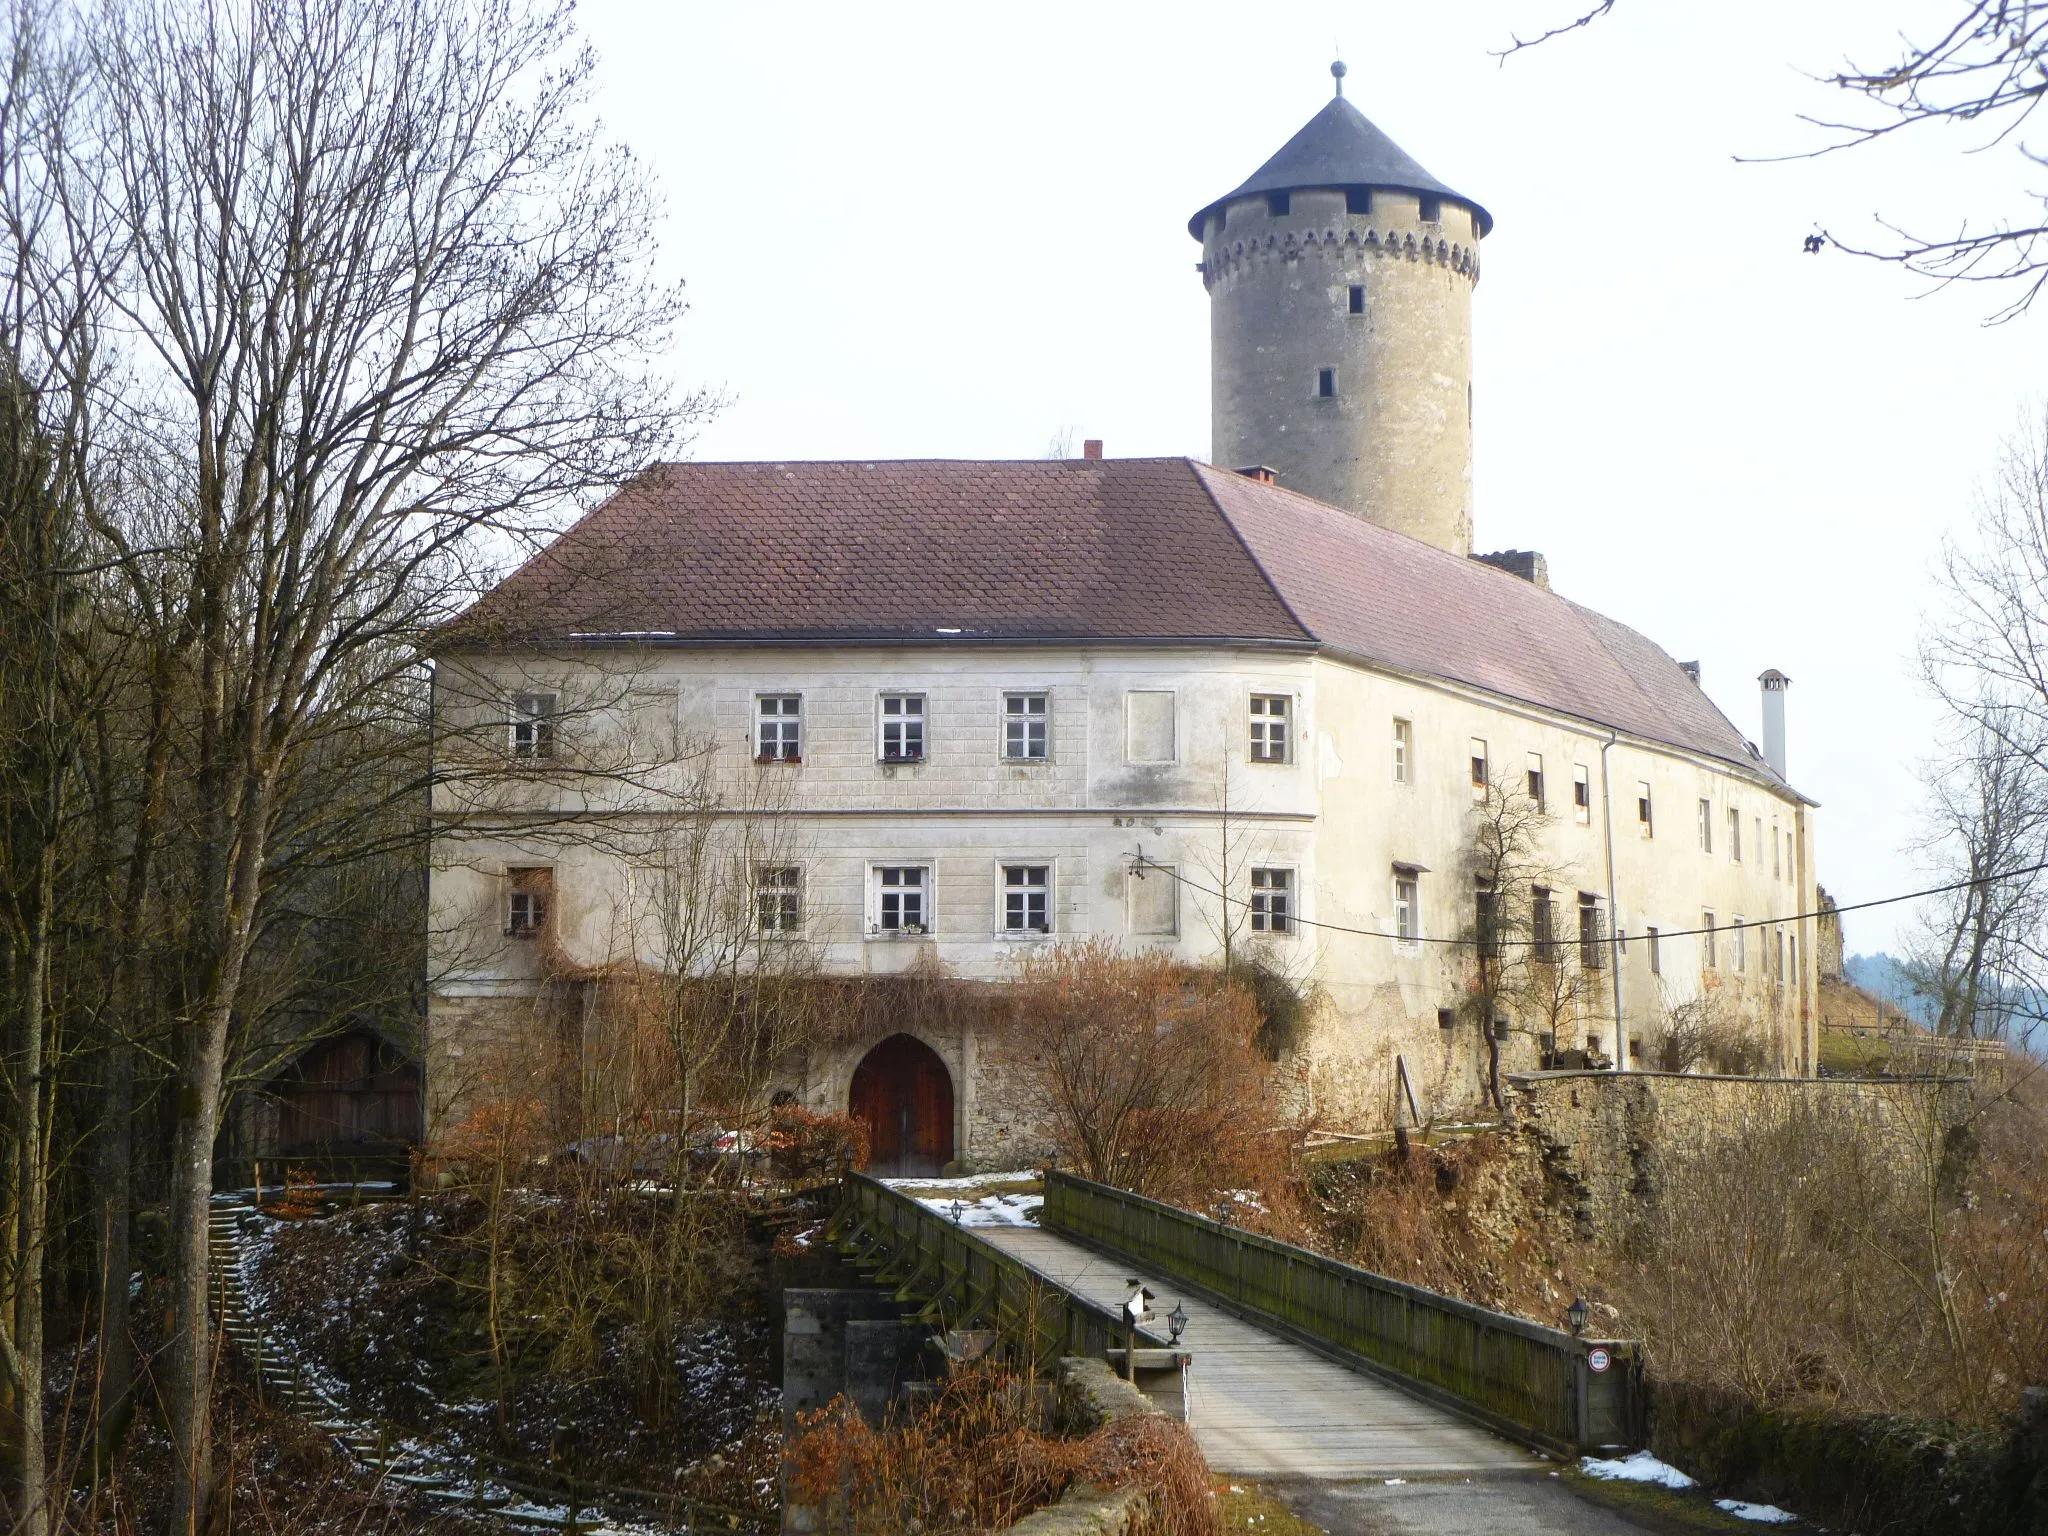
x: 1613, y: 908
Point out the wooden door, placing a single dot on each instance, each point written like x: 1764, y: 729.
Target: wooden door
x: 904, y: 1093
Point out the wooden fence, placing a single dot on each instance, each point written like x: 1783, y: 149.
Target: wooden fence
x: 1540, y: 1385
x: 961, y: 1280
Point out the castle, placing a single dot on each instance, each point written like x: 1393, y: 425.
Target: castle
x: 928, y: 716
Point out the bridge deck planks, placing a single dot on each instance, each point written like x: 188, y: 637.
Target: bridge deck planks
x: 1267, y: 1407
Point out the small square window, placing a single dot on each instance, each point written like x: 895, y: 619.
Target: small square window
x: 1358, y: 199
x: 1404, y: 752
x: 902, y: 728
x: 1407, y: 904
x: 779, y: 898
x: 1278, y: 203
x: 1582, y: 795
x: 1431, y: 209
x: 900, y: 899
x: 1270, y: 736
x: 1326, y: 383
x: 1025, y: 736
x: 780, y: 735
x: 1272, y: 901
x: 1026, y: 893
x: 1357, y: 294
x: 533, y: 725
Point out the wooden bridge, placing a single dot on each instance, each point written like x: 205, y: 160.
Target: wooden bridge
x: 1302, y: 1367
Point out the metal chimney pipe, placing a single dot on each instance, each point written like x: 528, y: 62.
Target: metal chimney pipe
x: 1774, y: 685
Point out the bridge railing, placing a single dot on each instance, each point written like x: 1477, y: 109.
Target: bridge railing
x: 965, y: 1281
x: 1541, y: 1385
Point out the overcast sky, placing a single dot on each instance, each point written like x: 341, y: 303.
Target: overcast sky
x: 960, y: 231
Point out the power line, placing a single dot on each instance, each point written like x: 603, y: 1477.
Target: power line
x: 1140, y: 864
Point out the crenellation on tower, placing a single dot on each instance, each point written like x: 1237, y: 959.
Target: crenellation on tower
x: 1340, y: 278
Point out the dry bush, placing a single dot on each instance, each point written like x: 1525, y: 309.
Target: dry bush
x: 1882, y: 1256
x: 805, y: 1147
x: 979, y: 1456
x: 1153, y: 1077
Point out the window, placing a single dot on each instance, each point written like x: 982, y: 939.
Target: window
x: 902, y: 727
x: 1644, y: 820
x: 1582, y: 795
x: 1024, y: 727
x: 1707, y: 945
x: 1542, y: 926
x: 1792, y: 956
x: 1734, y: 835
x: 1758, y: 845
x: 1592, y: 1045
x: 1154, y: 899
x: 1706, y: 826
x: 1358, y: 298
x: 1635, y: 1047
x: 1777, y: 864
x: 1486, y: 920
x: 1536, y: 779
x: 1277, y: 203
x: 1446, y: 1018
x: 1326, y: 383
x: 1026, y: 888
x: 779, y: 898
x: 1739, y: 935
x: 1592, y: 933
x: 1407, y: 904
x: 1404, y: 752
x: 781, y: 728
x: 1358, y: 199
x: 900, y: 899
x: 1269, y: 727
x: 1778, y: 956
x: 526, y: 909
x: 1148, y: 725
x: 1272, y: 901
x: 533, y: 725
x: 1656, y: 952
x: 1431, y: 209
x: 1479, y: 773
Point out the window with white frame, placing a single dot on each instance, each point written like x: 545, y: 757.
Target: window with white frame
x: 902, y: 728
x: 1270, y: 736
x: 1479, y: 768
x: 1404, y: 751
x: 1706, y: 826
x: 1777, y: 863
x: 902, y: 898
x: 1535, y: 780
x: 527, y: 903
x: 1027, y: 898
x: 1708, y: 949
x: 1026, y: 736
x: 1734, y: 835
x: 779, y: 737
x: 1272, y: 901
x: 779, y: 898
x: 1739, y: 935
x: 1153, y: 895
x: 533, y: 724
x: 1407, y: 903
x: 1582, y: 795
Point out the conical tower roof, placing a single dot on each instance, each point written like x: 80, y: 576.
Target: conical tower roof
x: 1339, y: 147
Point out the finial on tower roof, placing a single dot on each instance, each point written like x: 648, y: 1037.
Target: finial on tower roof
x: 1337, y: 73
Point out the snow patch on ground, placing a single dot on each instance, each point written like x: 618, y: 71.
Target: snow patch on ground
x: 975, y: 1181
x: 990, y: 1210
x: 1639, y: 1468
x: 1767, y: 1514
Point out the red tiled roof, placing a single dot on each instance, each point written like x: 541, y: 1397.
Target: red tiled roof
x: 1117, y: 549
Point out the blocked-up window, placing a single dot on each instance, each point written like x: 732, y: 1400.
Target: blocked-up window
x: 1026, y: 731
x: 779, y: 728
x: 652, y: 721
x: 529, y: 901
x: 902, y: 898
x: 902, y: 728
x: 1027, y: 898
x: 1153, y: 897
x: 1270, y: 735
x: 1272, y: 901
x: 1777, y: 862
x: 779, y: 898
x: 1148, y: 726
x: 533, y: 724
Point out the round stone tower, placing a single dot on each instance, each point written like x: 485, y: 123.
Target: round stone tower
x: 1340, y: 320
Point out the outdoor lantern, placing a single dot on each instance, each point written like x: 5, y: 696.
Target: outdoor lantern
x: 1176, y: 1323
x: 1577, y: 1314
x: 958, y: 1208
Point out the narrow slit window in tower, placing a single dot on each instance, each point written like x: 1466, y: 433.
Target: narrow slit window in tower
x: 1326, y: 383
x: 1358, y: 298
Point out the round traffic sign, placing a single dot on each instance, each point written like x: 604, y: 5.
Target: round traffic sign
x: 1598, y: 1360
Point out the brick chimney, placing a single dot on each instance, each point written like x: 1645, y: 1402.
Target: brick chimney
x: 1092, y: 448
x: 1265, y: 474
x: 1525, y: 563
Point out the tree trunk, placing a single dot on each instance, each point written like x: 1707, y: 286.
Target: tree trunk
x: 31, y: 1194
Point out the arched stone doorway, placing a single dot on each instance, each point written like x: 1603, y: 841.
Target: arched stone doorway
x: 905, y: 1094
